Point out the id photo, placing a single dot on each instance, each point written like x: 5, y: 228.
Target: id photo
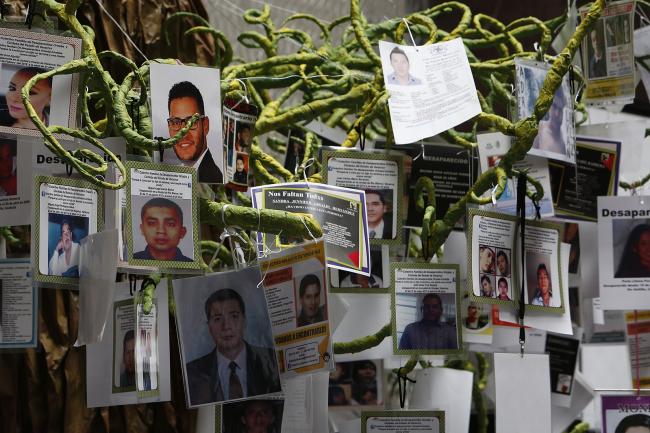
x: 179, y: 92
x: 225, y: 337
x: 123, y: 346
x: 539, y: 280
x: 631, y: 248
x: 311, y: 298
x: 162, y: 229
x: 53, y: 99
x: 12, y: 81
x: 426, y: 321
x: 356, y: 383
x: 381, y: 212
x: 64, y: 234
x: 402, y: 68
x: 252, y: 416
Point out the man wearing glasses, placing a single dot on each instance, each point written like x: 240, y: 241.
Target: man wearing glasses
x: 184, y: 101
x: 430, y: 333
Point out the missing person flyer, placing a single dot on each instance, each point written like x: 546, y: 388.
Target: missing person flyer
x: 162, y: 216
x: 637, y: 327
x: 18, y: 305
x: 452, y: 169
x: 491, y: 148
x: 425, y: 309
x: 380, y: 176
x: 494, y: 263
x: 608, y: 56
x: 238, y: 124
x: 341, y: 212
x: 624, y: 252
x: 625, y: 413
x: 112, y: 370
x: 596, y: 172
x: 555, y: 134
x: 403, y: 421
x: 296, y: 297
x: 65, y: 212
x: 431, y: 88
x: 24, y: 54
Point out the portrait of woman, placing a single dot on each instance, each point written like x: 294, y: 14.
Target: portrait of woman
x: 635, y: 261
x: 637, y: 423
x: 486, y: 259
x: 15, y: 115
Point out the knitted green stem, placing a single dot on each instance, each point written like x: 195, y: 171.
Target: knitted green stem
x: 363, y: 343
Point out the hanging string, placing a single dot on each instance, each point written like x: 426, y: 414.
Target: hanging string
x: 409, y: 30
x: 402, y: 379
x: 636, y: 356
x: 101, y: 6
x: 521, y: 214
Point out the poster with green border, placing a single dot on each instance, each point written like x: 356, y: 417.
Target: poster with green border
x: 502, y: 234
x: 59, y: 202
x: 363, y: 170
x: 403, y: 421
x: 167, y: 187
x: 438, y: 283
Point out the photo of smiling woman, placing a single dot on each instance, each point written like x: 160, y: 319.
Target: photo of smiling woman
x: 13, y: 113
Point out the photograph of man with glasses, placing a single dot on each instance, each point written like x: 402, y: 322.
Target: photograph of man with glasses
x: 183, y: 102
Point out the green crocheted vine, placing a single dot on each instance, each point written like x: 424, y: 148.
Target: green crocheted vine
x: 338, y: 82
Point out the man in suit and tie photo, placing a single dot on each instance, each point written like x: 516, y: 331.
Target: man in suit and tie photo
x: 234, y: 369
x: 380, y: 217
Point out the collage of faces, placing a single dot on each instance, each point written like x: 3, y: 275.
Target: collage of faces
x: 495, y: 273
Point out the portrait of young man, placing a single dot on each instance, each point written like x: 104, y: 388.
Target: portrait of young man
x: 309, y: 297
x: 127, y: 372
x: 431, y: 332
x: 161, y: 225
x: 380, y: 217
x: 597, y: 61
x: 234, y: 369
x: 401, y: 65
x: 185, y: 100
x: 543, y: 293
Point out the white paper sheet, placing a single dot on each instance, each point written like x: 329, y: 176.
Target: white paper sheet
x: 445, y: 389
x: 438, y: 94
x: 623, y: 224
x: 366, y: 315
x: 297, y: 415
x: 523, y: 395
x: 205, y: 420
x: 97, y: 269
x: 606, y: 366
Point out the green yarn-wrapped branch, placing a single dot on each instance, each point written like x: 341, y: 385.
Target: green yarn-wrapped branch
x: 337, y: 82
